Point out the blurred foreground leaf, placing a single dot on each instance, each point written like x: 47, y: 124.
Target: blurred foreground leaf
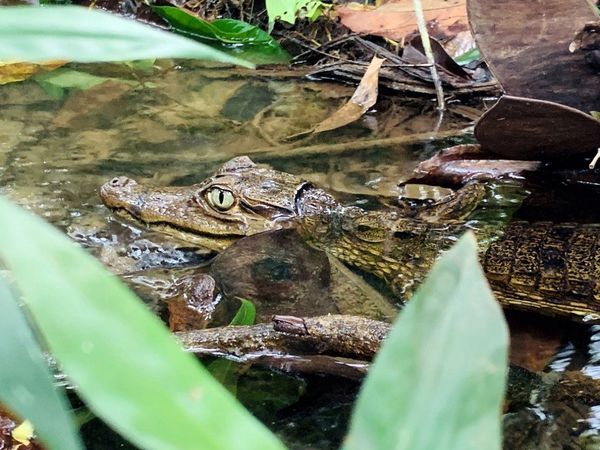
x: 128, y: 368
x: 237, y: 37
x: 74, y: 33
x: 439, y: 380
x: 26, y: 385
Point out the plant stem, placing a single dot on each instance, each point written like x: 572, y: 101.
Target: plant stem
x: 429, y: 54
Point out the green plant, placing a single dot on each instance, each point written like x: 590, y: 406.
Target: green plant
x: 289, y: 10
x: 126, y: 365
x: 444, y: 363
x: 439, y: 380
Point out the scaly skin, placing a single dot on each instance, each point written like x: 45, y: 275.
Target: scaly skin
x: 240, y: 199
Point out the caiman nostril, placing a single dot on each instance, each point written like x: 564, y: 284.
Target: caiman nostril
x: 119, y: 182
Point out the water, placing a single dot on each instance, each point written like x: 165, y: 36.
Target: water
x: 175, y: 125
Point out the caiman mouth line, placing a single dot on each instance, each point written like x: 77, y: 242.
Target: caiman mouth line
x: 161, y: 225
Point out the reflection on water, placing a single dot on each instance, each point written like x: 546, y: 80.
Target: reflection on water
x: 175, y: 125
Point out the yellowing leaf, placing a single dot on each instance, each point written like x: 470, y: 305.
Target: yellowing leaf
x: 11, y: 72
x: 23, y: 433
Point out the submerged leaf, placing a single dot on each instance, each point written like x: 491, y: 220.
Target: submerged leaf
x: 26, y: 385
x: 438, y: 381
x: 55, y: 83
x: 128, y: 368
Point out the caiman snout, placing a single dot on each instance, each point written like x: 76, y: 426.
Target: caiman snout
x: 117, y: 186
x: 119, y: 192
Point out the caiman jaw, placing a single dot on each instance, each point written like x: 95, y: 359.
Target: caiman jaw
x: 239, y: 200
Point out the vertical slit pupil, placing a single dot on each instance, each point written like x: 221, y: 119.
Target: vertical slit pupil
x: 221, y: 197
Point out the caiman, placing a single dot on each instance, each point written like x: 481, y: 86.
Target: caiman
x: 553, y: 269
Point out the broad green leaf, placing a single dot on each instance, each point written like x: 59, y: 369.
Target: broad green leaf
x: 75, y: 33
x: 128, y: 368
x: 234, y: 36
x: 223, y: 369
x: 26, y: 385
x: 439, y: 380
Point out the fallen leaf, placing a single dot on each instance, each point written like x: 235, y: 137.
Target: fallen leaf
x: 363, y: 98
x: 526, y: 128
x: 12, y: 72
x: 396, y: 19
x: 415, y: 53
x: 526, y: 45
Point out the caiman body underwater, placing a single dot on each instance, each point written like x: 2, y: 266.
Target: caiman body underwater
x: 553, y: 269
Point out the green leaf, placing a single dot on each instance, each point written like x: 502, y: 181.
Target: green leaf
x: 468, y: 57
x: 233, y: 36
x: 141, y: 65
x: 74, y: 33
x: 224, y: 369
x: 128, y: 368
x: 289, y: 10
x: 245, y: 315
x: 26, y: 385
x: 228, y: 31
x: 439, y: 380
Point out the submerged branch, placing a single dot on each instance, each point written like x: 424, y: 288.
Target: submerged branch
x: 340, y: 147
x: 314, y: 344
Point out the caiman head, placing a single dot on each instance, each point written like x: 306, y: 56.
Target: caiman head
x: 240, y: 199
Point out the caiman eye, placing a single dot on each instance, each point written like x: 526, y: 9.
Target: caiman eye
x: 221, y: 199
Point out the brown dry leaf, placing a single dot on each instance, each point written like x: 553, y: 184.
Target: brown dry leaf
x: 11, y: 72
x: 363, y: 98
x: 396, y: 19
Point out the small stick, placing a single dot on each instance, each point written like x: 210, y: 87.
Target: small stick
x: 595, y: 160
x: 429, y: 54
